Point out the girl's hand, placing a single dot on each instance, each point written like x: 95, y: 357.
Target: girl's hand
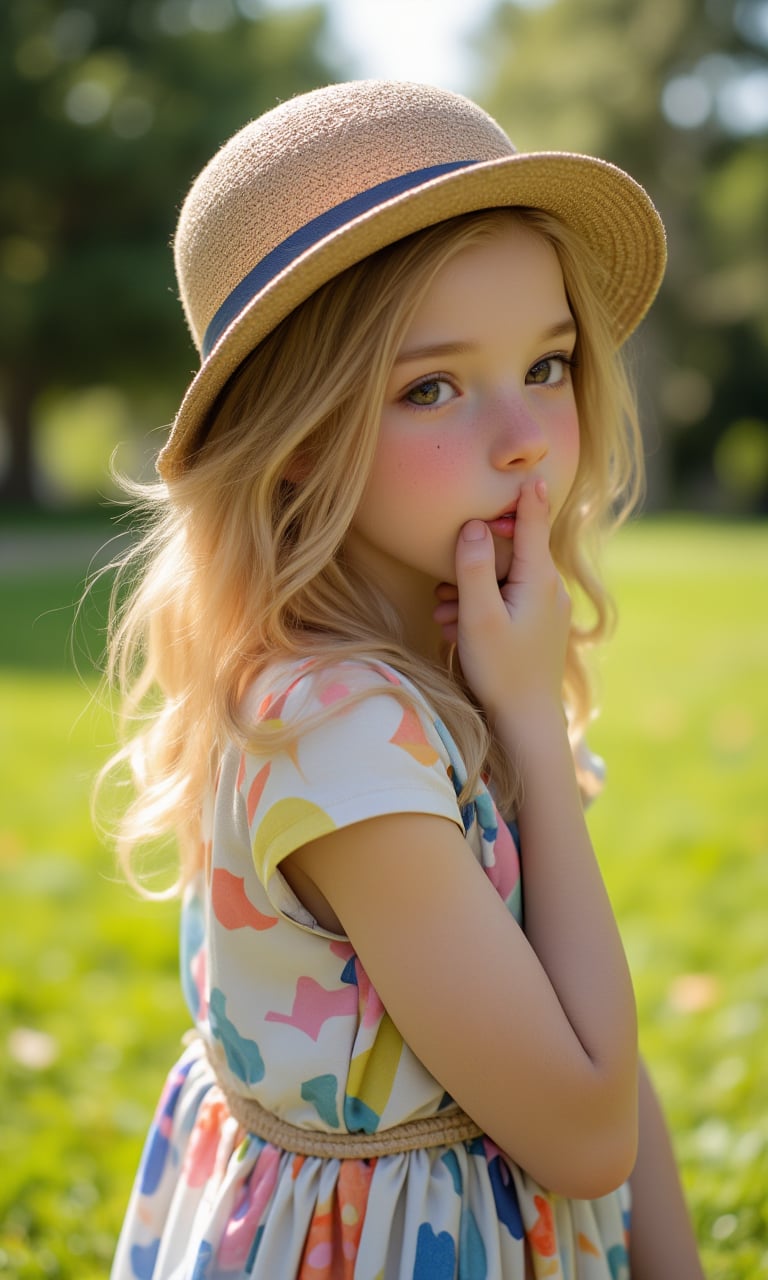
x: 512, y: 638
x: 412, y: 902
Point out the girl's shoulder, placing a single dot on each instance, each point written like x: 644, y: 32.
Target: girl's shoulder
x: 329, y: 745
x: 291, y: 691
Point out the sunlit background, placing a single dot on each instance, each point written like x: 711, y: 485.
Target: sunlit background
x: 115, y: 106
x: 109, y: 109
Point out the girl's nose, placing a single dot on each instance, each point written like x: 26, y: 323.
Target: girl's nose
x: 518, y: 438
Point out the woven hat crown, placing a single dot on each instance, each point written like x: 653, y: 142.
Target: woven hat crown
x: 308, y: 155
x: 329, y: 177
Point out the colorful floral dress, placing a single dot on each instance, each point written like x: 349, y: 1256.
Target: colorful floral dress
x: 290, y: 1008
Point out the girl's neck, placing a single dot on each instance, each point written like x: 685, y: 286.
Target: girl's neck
x: 415, y: 602
x: 427, y: 641
x: 411, y: 594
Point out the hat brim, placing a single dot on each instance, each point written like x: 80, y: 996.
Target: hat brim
x: 612, y: 213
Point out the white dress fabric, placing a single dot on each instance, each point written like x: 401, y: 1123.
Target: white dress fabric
x: 289, y: 1009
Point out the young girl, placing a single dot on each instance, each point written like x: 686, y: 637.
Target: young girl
x: 346, y: 662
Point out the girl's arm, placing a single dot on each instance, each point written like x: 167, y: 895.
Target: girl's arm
x: 512, y: 646
x: 532, y: 1033
x: 662, y: 1243
x: 471, y: 999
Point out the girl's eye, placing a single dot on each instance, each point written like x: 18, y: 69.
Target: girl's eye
x: 552, y: 371
x: 430, y: 393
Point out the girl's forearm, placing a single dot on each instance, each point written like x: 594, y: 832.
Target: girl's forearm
x: 568, y: 917
x: 662, y: 1242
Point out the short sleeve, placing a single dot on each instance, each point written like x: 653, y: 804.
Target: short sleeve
x: 364, y: 759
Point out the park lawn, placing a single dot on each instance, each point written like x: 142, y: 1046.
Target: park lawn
x: 82, y: 960
x: 682, y: 833
x: 91, y: 1014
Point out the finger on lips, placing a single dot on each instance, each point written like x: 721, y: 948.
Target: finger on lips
x: 532, y: 511
x: 474, y: 531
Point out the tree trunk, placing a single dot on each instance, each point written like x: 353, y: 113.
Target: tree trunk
x: 17, y: 483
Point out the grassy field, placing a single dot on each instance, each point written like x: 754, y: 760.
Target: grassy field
x: 90, y: 1010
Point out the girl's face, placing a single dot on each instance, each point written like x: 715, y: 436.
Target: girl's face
x: 480, y: 398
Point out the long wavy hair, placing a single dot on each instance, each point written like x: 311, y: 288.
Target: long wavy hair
x: 242, y: 560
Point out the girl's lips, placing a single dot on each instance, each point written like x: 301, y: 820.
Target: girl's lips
x: 502, y: 526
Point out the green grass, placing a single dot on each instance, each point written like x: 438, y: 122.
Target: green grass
x: 682, y: 832
x: 81, y: 959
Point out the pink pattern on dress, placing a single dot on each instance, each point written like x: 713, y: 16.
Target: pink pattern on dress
x: 331, y: 693
x: 313, y: 1005
x: 504, y: 871
x: 241, y: 1229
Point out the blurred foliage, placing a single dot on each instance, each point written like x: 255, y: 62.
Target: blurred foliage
x: 111, y: 108
x: 92, y: 1012
x: 115, y: 105
x: 677, y: 94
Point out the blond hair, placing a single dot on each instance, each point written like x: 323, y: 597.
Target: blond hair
x: 243, y: 561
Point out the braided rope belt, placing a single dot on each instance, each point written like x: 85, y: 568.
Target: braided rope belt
x: 444, y: 1129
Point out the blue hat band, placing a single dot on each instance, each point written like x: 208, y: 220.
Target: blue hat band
x: 310, y: 234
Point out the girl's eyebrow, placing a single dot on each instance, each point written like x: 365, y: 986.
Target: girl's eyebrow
x: 563, y: 328
x: 433, y: 349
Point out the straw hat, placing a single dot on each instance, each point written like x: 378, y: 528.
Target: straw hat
x: 329, y: 177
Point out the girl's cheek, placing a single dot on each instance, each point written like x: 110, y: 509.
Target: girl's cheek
x: 433, y: 462
x: 572, y: 446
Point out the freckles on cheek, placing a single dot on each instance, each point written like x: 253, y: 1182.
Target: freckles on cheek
x: 432, y: 464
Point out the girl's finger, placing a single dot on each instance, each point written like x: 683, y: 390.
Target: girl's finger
x: 476, y: 575
x: 446, y: 611
x: 531, y: 541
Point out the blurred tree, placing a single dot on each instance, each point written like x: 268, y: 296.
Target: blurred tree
x: 677, y: 93
x: 110, y: 108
